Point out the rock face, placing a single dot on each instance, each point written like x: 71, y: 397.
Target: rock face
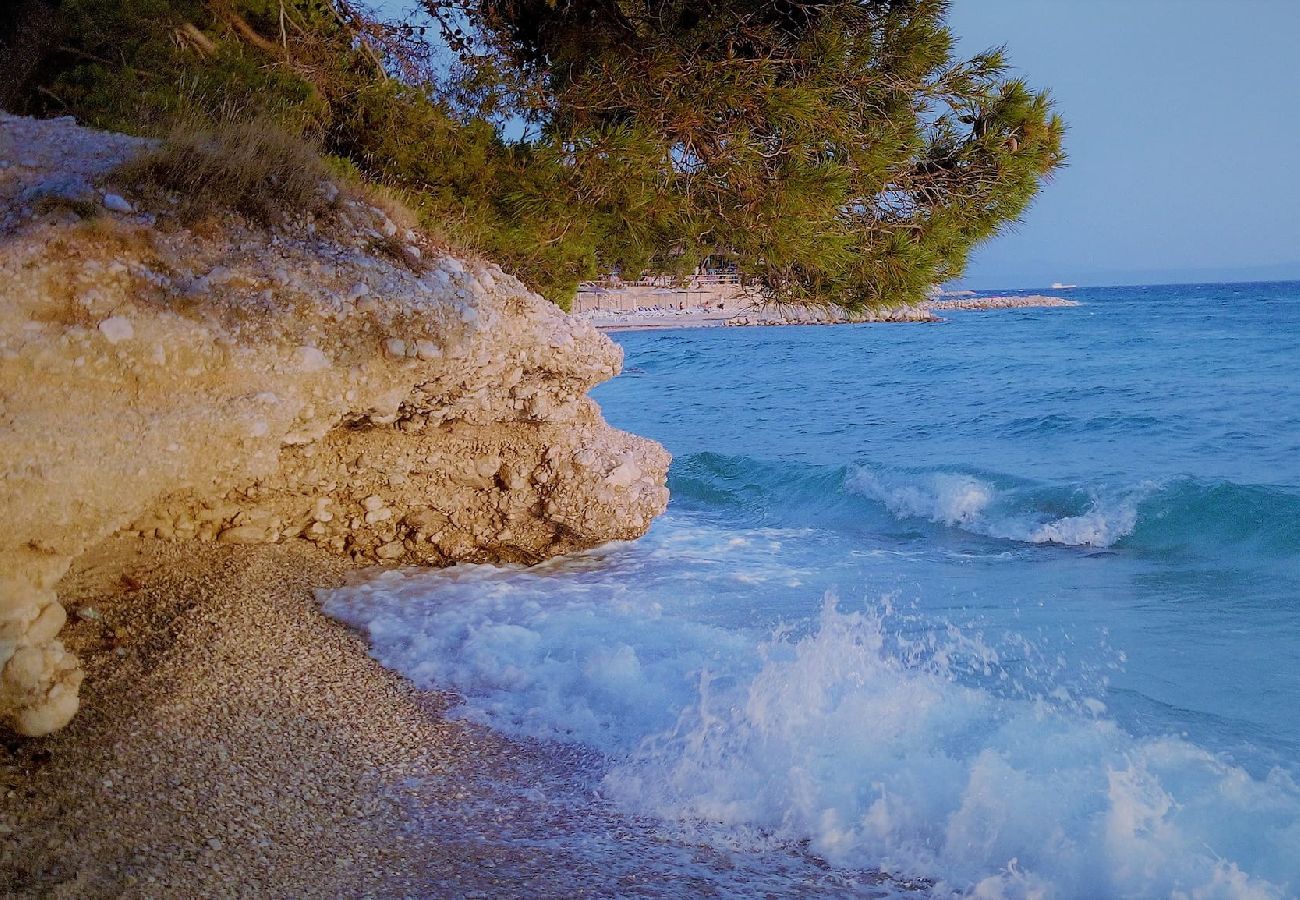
x: 224, y: 382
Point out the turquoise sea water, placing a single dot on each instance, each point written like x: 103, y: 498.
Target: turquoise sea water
x: 1009, y: 603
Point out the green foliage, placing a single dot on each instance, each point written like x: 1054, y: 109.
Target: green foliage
x: 836, y: 151
x: 503, y: 200
x: 131, y: 65
x: 149, y: 66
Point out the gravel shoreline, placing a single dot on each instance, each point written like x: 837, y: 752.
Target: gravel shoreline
x: 231, y: 736
x: 235, y: 741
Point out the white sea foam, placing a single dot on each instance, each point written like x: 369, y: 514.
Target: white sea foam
x: 880, y: 760
x: 978, y: 506
x: 579, y: 648
x: 1100, y: 526
x: 878, y: 751
x: 951, y: 499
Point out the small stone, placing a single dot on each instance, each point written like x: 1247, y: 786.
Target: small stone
x: 391, y: 550
x: 117, y: 203
x: 395, y: 347
x: 243, y: 534
x: 373, y: 502
x: 117, y: 328
x: 427, y: 350
x: 310, y: 359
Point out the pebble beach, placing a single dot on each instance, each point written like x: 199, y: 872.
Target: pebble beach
x: 235, y: 741
x: 230, y: 735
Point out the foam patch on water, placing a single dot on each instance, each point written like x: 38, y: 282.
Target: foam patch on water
x: 979, y: 506
x: 880, y: 759
x: 879, y: 743
x: 578, y: 648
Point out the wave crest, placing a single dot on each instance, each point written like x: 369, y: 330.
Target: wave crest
x: 885, y: 758
x: 980, y: 507
x: 1171, y: 516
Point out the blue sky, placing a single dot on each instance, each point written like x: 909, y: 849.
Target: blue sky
x: 1184, y: 139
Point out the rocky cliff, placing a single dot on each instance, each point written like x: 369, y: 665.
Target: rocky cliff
x: 332, y: 379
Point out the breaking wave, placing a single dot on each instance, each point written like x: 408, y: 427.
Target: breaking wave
x: 1169, y: 516
x: 869, y: 735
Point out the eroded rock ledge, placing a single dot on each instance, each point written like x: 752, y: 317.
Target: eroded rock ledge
x: 224, y: 382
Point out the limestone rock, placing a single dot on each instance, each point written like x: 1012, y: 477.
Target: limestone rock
x: 117, y: 203
x: 433, y: 417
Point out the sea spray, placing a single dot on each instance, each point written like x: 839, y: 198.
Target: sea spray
x: 881, y: 738
x: 1019, y: 513
x: 892, y: 760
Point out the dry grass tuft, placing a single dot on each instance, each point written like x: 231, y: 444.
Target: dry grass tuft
x: 253, y: 167
x: 390, y: 201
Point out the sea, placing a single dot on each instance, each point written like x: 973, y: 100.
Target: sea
x: 1003, y: 606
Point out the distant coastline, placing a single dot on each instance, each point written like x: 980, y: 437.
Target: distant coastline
x: 736, y: 310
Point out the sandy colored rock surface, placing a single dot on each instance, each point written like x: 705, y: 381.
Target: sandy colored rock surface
x: 745, y: 310
x: 785, y: 314
x: 215, y: 381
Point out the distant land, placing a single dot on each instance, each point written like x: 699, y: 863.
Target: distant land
x: 1038, y: 276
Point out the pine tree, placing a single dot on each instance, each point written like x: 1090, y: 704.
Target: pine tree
x: 834, y: 149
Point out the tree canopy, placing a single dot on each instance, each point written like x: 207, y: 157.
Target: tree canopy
x: 836, y: 151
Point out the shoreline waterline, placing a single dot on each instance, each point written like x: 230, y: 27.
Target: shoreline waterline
x: 652, y: 318
x: 234, y: 736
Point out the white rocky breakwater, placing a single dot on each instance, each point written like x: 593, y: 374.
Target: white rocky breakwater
x: 1019, y: 301
x: 241, y: 384
x: 793, y: 314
